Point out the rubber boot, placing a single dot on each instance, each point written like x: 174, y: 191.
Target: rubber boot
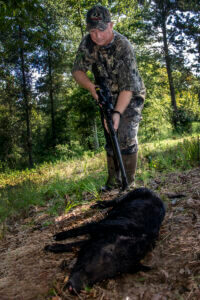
x: 130, y: 165
x: 113, y: 176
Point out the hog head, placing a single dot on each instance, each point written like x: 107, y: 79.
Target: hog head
x: 96, y: 261
x: 102, y: 259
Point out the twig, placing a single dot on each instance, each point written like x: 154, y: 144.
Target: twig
x: 167, y: 235
x: 102, y: 296
x: 189, y: 295
x: 77, y: 294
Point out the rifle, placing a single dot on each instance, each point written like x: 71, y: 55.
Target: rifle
x: 106, y: 106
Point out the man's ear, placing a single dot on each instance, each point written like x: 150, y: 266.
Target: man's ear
x: 111, y: 25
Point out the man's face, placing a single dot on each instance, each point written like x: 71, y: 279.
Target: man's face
x: 102, y: 38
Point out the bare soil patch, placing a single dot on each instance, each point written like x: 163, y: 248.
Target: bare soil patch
x: 27, y: 272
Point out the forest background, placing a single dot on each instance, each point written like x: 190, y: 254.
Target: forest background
x: 44, y: 114
x: 52, y: 158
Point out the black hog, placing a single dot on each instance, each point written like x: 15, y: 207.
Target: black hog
x: 118, y: 242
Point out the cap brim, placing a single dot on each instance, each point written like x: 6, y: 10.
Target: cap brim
x: 100, y: 25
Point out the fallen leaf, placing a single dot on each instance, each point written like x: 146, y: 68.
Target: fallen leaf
x: 66, y: 279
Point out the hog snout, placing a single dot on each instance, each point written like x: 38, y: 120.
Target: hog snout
x: 76, y: 282
x: 70, y: 288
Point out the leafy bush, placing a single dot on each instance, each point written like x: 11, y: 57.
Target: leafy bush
x: 184, y: 119
x: 69, y: 151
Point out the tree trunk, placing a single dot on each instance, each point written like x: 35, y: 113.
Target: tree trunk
x: 53, y: 130
x: 169, y: 70
x: 96, y: 140
x: 26, y: 100
x: 80, y: 16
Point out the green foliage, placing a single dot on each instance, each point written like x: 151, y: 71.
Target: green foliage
x: 167, y: 156
x: 184, y: 155
x: 45, y: 116
x: 60, y: 192
x: 19, y: 199
x: 184, y: 120
x: 66, y: 151
x: 85, y: 116
x: 156, y: 111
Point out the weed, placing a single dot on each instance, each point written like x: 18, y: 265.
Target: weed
x: 65, y: 184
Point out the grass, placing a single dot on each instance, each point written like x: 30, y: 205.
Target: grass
x: 66, y: 184
x: 59, y: 186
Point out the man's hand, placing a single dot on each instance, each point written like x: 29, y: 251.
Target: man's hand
x: 93, y: 92
x: 116, y: 120
x: 83, y: 80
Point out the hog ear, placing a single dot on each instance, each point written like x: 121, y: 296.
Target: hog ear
x: 125, y: 239
x: 108, y: 249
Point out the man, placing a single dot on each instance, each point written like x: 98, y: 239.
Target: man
x: 111, y: 58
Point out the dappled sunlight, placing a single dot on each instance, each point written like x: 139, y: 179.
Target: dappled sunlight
x: 27, y: 270
x: 64, y: 169
x: 67, y: 184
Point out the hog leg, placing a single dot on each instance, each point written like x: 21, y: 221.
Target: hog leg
x: 140, y: 267
x: 85, y: 229
x: 136, y: 194
x: 103, y: 204
x: 110, y: 203
x: 101, y: 228
x: 60, y: 248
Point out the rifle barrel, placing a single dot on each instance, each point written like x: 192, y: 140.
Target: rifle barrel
x: 117, y: 152
x: 106, y: 107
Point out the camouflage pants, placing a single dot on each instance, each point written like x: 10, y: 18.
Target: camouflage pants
x: 128, y: 129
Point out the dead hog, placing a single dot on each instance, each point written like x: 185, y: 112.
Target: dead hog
x: 118, y: 242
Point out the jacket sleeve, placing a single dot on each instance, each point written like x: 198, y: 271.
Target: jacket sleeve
x: 128, y: 76
x: 84, y: 60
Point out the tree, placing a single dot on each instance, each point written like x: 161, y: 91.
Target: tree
x: 18, y: 48
x: 161, y: 19
x: 51, y: 64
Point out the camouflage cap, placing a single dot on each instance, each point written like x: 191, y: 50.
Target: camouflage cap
x: 98, y: 17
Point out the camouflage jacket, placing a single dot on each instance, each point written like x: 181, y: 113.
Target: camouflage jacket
x: 115, y: 63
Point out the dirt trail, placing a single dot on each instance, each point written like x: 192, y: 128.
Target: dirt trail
x: 28, y: 273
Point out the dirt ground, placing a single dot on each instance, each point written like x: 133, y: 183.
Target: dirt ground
x: 27, y: 272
